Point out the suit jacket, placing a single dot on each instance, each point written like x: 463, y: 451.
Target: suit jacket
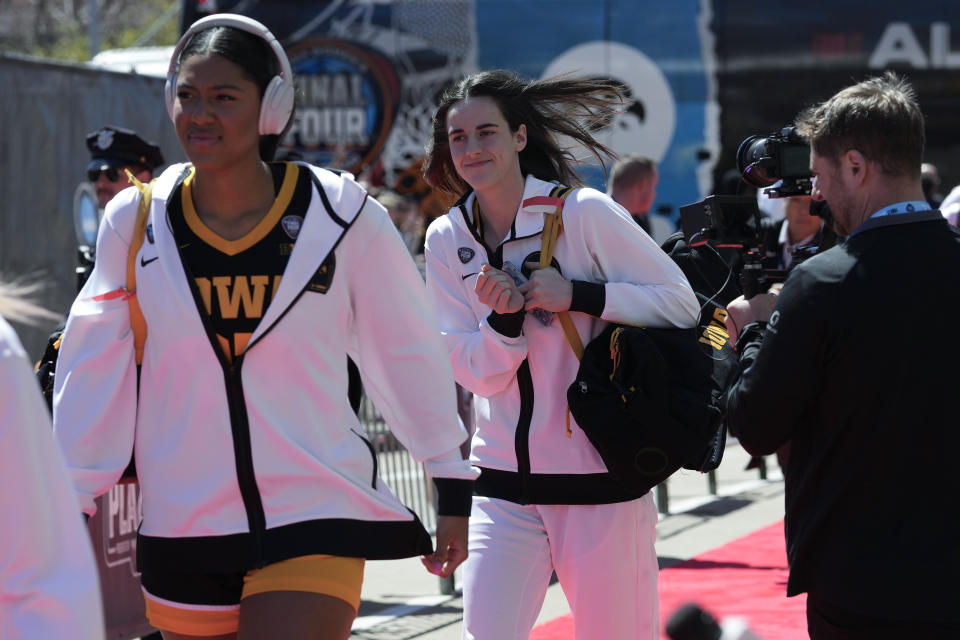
x: 851, y: 369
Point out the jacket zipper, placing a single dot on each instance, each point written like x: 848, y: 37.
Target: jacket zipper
x: 239, y: 423
x: 522, y: 438
x: 525, y: 389
x: 243, y: 456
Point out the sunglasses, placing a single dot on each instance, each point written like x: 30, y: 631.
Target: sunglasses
x: 112, y: 174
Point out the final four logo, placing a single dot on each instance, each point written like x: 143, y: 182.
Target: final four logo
x: 347, y: 96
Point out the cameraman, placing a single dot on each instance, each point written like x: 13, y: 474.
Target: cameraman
x: 856, y: 348
x: 799, y: 231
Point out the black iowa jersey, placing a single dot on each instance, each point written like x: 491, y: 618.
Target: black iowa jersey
x: 235, y: 280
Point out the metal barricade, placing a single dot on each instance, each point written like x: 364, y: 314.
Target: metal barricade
x: 404, y: 475
x: 662, y: 496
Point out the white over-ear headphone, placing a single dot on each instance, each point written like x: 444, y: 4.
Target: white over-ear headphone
x: 277, y: 104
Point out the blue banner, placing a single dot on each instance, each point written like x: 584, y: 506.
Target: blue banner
x: 655, y: 48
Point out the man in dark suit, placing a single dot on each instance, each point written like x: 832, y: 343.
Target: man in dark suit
x: 847, y: 364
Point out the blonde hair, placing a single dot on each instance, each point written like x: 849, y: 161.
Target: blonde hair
x: 631, y: 168
x: 16, y: 303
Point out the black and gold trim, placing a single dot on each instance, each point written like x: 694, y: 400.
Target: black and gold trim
x: 373, y: 540
x: 255, y: 235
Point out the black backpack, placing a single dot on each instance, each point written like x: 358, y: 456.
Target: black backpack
x: 652, y: 400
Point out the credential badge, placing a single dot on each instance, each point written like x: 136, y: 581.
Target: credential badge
x: 292, y: 224
x: 465, y: 254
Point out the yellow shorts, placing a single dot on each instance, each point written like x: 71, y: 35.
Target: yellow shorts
x: 209, y: 605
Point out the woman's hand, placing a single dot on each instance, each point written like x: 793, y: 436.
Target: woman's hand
x: 546, y: 289
x: 497, y: 290
x: 451, y: 546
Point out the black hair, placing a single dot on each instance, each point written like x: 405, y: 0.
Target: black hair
x: 254, y: 57
x: 552, y: 109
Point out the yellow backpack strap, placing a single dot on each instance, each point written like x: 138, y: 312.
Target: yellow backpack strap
x: 552, y: 225
x: 137, y: 322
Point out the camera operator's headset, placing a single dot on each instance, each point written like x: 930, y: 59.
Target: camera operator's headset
x: 277, y: 103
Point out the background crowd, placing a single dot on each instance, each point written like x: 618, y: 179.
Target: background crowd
x: 226, y: 560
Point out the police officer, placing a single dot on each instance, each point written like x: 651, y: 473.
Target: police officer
x: 114, y: 149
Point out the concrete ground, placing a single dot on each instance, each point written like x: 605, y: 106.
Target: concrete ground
x: 401, y: 601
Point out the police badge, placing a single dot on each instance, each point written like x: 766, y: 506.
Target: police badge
x: 104, y: 138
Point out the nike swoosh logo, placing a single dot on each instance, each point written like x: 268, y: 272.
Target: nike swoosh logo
x: 144, y: 263
x: 469, y: 275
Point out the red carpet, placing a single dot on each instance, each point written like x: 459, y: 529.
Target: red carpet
x: 746, y: 577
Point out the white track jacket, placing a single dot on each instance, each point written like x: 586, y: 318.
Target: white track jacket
x: 247, y: 463
x: 48, y: 578
x: 520, y: 383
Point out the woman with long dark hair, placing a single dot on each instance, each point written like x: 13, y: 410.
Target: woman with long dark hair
x: 544, y: 501
x: 256, y: 280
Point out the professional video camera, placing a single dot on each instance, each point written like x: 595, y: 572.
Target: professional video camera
x: 777, y: 163
x: 782, y: 156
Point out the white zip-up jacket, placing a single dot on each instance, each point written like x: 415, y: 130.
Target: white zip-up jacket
x: 247, y: 463
x: 517, y: 368
x: 48, y: 577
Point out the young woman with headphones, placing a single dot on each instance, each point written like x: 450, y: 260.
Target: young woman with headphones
x: 257, y: 280
x: 544, y: 499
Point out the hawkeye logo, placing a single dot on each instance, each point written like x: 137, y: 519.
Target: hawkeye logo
x: 349, y: 98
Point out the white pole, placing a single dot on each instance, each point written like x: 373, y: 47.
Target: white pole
x: 94, y: 29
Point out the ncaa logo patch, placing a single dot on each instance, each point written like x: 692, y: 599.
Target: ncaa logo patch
x: 291, y: 225
x: 150, y: 233
x: 465, y: 254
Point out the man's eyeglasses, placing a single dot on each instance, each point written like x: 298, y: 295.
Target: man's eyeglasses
x: 112, y: 174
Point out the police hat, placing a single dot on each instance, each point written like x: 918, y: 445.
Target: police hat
x: 116, y: 147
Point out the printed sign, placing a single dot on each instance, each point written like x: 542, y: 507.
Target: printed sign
x: 347, y: 100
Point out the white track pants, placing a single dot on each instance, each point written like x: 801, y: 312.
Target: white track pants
x: 603, y: 555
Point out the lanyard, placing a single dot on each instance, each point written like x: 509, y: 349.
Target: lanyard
x: 910, y: 206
